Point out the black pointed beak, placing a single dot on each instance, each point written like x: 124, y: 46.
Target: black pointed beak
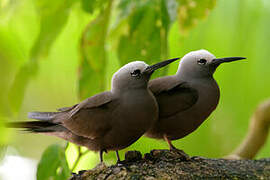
x: 219, y: 61
x: 152, y: 68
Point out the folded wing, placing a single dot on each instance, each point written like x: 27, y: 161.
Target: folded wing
x: 173, y: 96
x: 90, y: 118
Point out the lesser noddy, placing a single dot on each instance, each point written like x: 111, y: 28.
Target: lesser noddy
x: 187, y: 98
x: 111, y: 120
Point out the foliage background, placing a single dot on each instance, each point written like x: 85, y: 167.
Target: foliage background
x: 56, y: 53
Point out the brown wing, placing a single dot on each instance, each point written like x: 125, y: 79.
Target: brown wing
x: 172, y: 96
x: 90, y: 118
x: 93, y: 101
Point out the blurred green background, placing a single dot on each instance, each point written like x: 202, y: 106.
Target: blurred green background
x: 56, y: 53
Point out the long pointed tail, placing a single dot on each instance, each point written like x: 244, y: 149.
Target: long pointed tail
x: 44, y: 116
x: 33, y: 126
x: 46, y: 122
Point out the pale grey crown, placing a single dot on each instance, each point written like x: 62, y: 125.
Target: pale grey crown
x: 129, y: 76
x: 196, y: 64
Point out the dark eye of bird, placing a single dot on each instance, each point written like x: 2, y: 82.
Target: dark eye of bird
x: 202, y: 61
x: 136, y: 72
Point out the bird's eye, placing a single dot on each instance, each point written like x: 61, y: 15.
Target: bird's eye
x: 202, y: 61
x: 136, y: 72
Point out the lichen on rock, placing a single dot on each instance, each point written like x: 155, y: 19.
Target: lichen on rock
x: 165, y: 164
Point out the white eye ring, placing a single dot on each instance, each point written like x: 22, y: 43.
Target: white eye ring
x: 202, y: 61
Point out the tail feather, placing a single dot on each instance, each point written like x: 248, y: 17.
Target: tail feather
x: 50, y: 129
x: 36, y: 126
x: 30, y: 124
x: 45, y: 116
x: 47, y: 122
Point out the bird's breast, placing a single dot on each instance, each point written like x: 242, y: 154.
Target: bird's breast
x: 185, y: 122
x: 136, y: 112
x: 189, y: 120
x: 208, y: 97
x: 134, y: 115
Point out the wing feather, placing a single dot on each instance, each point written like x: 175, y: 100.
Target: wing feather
x: 90, y: 118
x: 172, y: 95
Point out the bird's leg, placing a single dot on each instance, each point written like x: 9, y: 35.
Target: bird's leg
x: 173, y: 148
x: 101, y: 154
x: 118, y: 157
x: 170, y: 143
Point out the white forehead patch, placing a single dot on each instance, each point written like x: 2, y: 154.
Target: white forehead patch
x: 130, y: 67
x: 200, y: 54
x: 122, y: 77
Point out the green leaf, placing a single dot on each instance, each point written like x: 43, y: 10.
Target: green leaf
x: 10, y: 57
x: 191, y: 11
x: 53, y: 17
x: 53, y: 164
x: 146, y: 25
x: 16, y: 92
x: 90, y: 6
x: 93, y: 55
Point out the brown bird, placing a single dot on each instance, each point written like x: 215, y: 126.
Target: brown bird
x: 111, y: 120
x: 187, y: 98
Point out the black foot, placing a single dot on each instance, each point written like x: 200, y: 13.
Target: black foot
x: 197, y: 158
x: 81, y: 172
x: 120, y: 163
x: 75, y: 176
x: 181, y: 153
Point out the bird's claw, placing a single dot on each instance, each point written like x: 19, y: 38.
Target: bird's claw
x: 120, y: 163
x: 181, y: 153
x: 197, y: 158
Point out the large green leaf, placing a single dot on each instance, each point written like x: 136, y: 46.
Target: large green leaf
x: 9, y: 52
x: 53, y: 164
x: 91, y: 5
x: 88, y: 6
x: 191, y: 11
x: 145, y: 26
x: 53, y: 17
x: 93, y: 55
